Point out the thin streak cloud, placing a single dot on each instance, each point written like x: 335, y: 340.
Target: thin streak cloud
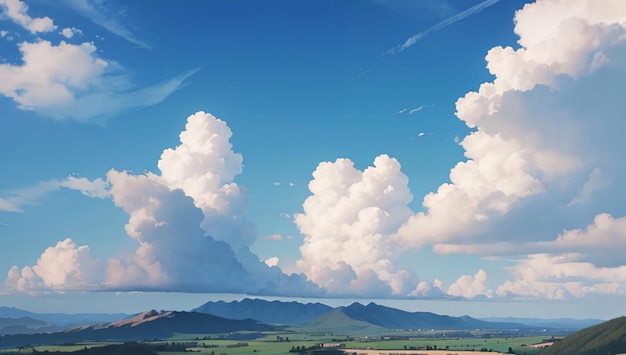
x: 364, y: 72
x: 443, y: 24
x: 417, y: 109
x: 101, y: 16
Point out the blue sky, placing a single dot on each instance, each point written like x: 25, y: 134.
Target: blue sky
x: 451, y: 152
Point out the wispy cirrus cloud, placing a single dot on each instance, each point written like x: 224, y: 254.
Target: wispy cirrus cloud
x: 413, y: 110
x: 102, y: 16
x: 443, y: 24
x: 15, y: 200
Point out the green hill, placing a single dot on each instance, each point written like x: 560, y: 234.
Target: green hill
x: 337, y: 322
x: 607, y: 338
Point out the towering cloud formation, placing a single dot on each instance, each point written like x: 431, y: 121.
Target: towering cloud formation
x: 544, y: 154
x: 204, y: 166
x: 187, y: 222
x: 347, y: 222
x: 174, y: 252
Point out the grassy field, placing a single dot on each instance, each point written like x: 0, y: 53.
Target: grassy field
x: 270, y: 345
x: 55, y: 348
x: 280, y: 343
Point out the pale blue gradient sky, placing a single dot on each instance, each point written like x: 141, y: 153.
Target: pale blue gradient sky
x: 299, y: 83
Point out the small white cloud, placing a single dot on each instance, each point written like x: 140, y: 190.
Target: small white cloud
x: 469, y: 286
x: 291, y: 184
x: 273, y: 261
x: 401, y: 111
x: 421, y: 134
x: 427, y: 291
x: 16, y: 10
x: 70, y: 32
x: 285, y: 215
x: 276, y: 183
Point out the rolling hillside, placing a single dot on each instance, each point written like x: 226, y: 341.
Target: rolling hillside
x: 148, y: 325
x: 393, y: 318
x: 155, y: 324
x: 25, y: 325
x: 602, y: 339
x: 337, y: 321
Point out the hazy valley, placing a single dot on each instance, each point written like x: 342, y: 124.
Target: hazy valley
x: 283, y: 324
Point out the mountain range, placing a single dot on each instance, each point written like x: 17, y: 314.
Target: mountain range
x: 25, y: 325
x: 392, y: 318
x: 249, y: 315
x: 61, y: 319
x: 318, y: 315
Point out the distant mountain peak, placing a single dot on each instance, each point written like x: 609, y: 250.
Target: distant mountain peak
x: 149, y: 314
x: 271, y: 312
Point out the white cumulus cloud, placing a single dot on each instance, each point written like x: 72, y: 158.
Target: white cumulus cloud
x: 471, y: 286
x: 16, y: 10
x: 561, y: 276
x: 538, y: 145
x: 204, y: 167
x: 543, y: 160
x: 427, y: 290
x: 71, y: 81
x: 352, y: 213
x: 63, y: 266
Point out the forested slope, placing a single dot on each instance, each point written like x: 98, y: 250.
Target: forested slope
x: 602, y: 339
